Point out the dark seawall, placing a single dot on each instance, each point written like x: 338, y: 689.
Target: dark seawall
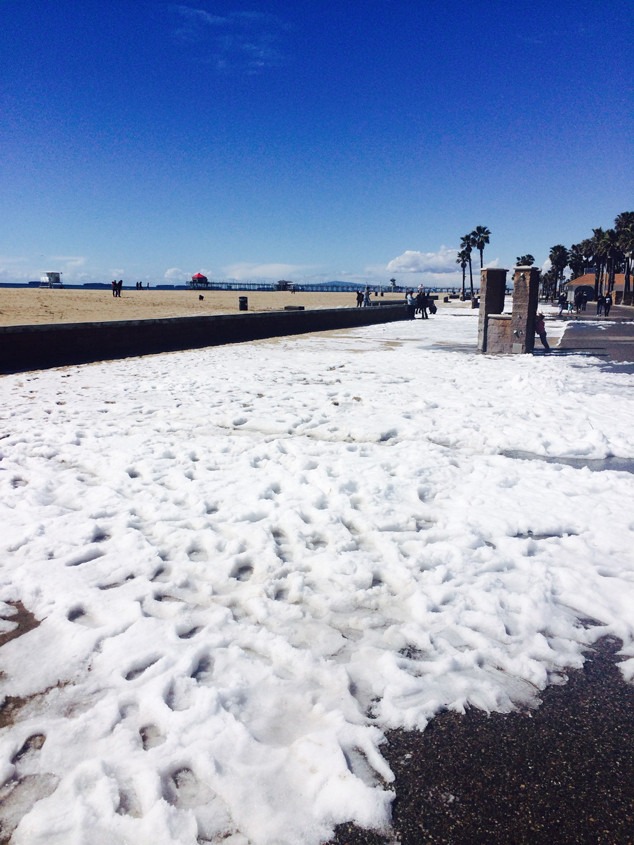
x: 42, y: 346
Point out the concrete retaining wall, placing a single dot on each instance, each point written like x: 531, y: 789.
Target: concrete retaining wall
x: 42, y: 346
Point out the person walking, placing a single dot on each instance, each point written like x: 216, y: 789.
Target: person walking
x: 607, y: 304
x: 600, y: 304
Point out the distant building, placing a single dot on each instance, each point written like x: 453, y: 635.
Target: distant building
x: 199, y: 281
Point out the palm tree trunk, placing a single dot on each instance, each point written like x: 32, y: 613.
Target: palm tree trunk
x: 471, y: 278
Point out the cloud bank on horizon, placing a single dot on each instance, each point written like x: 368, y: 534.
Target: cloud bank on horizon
x: 77, y: 270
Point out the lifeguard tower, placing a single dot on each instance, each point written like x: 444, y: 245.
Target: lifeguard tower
x: 51, y: 280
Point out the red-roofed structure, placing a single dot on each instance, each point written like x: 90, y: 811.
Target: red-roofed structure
x: 199, y: 281
x: 587, y: 281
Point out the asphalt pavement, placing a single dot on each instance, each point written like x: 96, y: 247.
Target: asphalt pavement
x: 610, y: 338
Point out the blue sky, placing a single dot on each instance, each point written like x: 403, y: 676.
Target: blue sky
x: 307, y: 140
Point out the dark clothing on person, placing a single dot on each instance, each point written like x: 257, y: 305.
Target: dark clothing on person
x: 421, y: 305
x: 540, y: 329
x: 607, y: 304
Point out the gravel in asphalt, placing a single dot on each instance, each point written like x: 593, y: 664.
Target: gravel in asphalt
x: 562, y: 774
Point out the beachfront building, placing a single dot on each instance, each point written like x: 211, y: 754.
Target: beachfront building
x: 587, y: 284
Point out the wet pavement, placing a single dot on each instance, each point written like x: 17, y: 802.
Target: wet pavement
x: 612, y: 464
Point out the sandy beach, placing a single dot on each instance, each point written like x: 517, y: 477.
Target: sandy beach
x: 30, y: 306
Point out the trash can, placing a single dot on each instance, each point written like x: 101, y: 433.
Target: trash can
x: 243, y: 303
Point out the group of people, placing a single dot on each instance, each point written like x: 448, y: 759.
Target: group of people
x: 419, y: 304
x: 363, y: 298
x: 118, y: 285
x: 580, y: 302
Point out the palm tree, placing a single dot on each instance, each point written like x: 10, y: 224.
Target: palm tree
x: 548, y: 282
x: 479, y: 239
x: 525, y: 260
x: 466, y: 246
x: 598, y: 254
x: 587, y: 248
x: 462, y: 260
x: 558, y: 260
x: 624, y: 225
x: 612, y: 255
x: 576, y: 260
x: 393, y: 283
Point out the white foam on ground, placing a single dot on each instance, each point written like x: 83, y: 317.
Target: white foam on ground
x: 249, y: 561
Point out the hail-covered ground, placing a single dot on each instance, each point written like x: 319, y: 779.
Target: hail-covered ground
x: 250, y: 561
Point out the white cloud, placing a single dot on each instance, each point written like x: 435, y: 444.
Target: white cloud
x: 69, y: 262
x: 412, y: 261
x: 21, y: 269
x: 236, y: 41
x: 12, y: 260
x: 175, y: 274
x: 13, y: 269
x: 244, y: 270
